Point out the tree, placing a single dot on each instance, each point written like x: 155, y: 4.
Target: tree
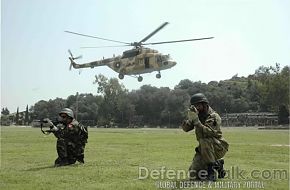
x: 176, y: 104
x: 126, y: 110
x: 264, y: 91
x: 191, y: 87
x: 70, y: 101
x: 149, y: 103
x: 218, y: 97
x: 273, y: 87
x: 283, y: 115
x: 5, y: 111
x: 26, y: 119
x: 5, y: 121
x: 112, y: 92
x: 40, y: 110
x: 47, y: 109
x: 17, y: 117
x: 86, y: 107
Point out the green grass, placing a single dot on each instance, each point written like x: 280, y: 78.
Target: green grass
x: 113, y: 157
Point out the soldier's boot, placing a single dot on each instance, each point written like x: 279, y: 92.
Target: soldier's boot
x: 211, y: 176
x: 80, y: 159
x: 220, y: 168
x: 60, y: 162
x: 71, y: 159
x: 57, y: 162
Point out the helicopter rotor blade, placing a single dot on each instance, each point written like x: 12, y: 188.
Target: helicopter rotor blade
x: 103, y: 46
x: 78, y: 57
x: 85, y: 35
x: 176, y: 41
x: 70, y: 53
x: 154, y: 32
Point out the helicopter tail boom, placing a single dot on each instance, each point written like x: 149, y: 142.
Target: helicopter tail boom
x: 90, y: 64
x: 93, y: 64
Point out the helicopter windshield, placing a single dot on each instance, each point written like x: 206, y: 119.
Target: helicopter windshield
x: 165, y: 57
x: 161, y: 58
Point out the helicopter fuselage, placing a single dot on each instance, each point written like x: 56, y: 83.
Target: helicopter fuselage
x: 140, y: 61
x: 133, y: 62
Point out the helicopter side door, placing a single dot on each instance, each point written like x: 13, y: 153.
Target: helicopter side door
x: 146, y: 62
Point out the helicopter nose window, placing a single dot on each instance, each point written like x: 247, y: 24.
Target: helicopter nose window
x: 165, y: 57
x: 165, y: 63
x: 159, y: 59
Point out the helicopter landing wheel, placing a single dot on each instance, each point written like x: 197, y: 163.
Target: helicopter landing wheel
x: 140, y: 79
x: 158, y: 75
x: 121, y: 76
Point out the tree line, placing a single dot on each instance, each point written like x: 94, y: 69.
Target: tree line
x: 267, y: 90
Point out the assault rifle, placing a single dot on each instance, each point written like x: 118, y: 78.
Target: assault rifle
x: 49, y: 123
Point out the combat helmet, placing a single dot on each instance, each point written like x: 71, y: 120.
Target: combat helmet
x: 198, y: 98
x: 67, y: 111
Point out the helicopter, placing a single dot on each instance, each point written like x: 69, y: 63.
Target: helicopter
x: 134, y: 62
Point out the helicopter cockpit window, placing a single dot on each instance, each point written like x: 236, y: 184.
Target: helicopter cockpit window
x: 130, y: 53
x: 158, y: 59
x: 165, y: 57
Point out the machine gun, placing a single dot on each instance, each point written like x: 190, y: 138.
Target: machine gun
x: 49, y: 123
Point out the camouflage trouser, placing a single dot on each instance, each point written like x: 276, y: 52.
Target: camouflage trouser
x: 208, y: 151
x: 69, y: 152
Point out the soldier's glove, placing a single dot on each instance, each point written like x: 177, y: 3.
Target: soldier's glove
x: 52, y: 127
x: 192, y: 115
x: 187, y: 126
x: 48, y: 122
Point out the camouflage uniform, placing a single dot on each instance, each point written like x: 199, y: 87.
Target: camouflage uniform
x: 71, y: 141
x: 212, y: 146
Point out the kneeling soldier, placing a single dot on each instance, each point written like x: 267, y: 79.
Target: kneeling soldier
x: 71, y: 139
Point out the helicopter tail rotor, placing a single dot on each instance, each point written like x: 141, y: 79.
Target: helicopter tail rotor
x: 71, y: 64
x: 72, y: 58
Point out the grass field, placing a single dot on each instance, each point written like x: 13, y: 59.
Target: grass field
x: 113, y: 158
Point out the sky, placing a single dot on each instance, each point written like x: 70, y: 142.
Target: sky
x: 34, y: 57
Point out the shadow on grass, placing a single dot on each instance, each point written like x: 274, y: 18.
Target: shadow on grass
x: 52, y: 166
x: 39, y: 168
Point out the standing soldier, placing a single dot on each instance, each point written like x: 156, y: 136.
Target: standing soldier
x: 71, y: 139
x: 212, y: 146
